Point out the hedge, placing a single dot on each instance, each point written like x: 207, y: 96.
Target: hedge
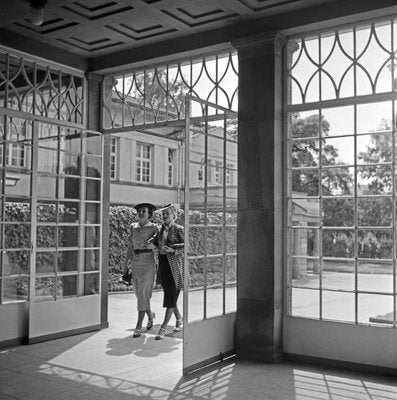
x: 17, y: 235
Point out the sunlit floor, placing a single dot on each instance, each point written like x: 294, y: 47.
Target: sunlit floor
x: 111, y: 365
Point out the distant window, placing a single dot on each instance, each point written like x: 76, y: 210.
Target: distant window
x: 229, y: 174
x: 114, y: 158
x: 143, y: 162
x: 171, y: 162
x: 202, y: 168
x: 218, y: 172
x: 15, y: 155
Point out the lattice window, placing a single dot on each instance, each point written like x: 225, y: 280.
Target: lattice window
x: 40, y: 89
x: 156, y: 95
x: 143, y: 163
x: 341, y: 114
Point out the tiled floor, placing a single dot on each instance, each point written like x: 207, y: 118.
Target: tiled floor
x: 111, y: 365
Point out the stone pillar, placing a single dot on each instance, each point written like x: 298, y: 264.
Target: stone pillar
x: 94, y: 93
x: 260, y: 217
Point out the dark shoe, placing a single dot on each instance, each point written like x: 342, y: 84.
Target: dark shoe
x: 137, y: 333
x: 161, y: 333
x: 149, y: 325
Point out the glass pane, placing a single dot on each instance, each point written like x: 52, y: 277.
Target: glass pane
x: 91, y: 260
x: 91, y: 284
x: 304, y: 272
x: 17, y: 211
x: 15, y: 289
x: 338, y: 212
x: 374, y: 276
x: 375, y: 211
x: 68, y: 211
x: 94, y: 143
x: 305, y: 153
x: 47, y: 161
x: 375, y: 309
x: 46, y: 236
x: 338, y: 274
x: 374, y: 148
x: 92, y: 236
x: 338, y: 121
x: 17, y: 236
x: 69, y: 188
x: 338, y: 243
x: 46, y: 211
x: 338, y: 306
x: 305, y: 242
x: 231, y: 239
x: 305, y: 124
x: 375, y: 179
x: 67, y: 261
x: 94, y: 166
x: 45, y: 262
x: 338, y: 181
x: 16, y: 262
x: 68, y: 236
x: 305, y: 303
x: 44, y: 289
x: 305, y: 182
x: 305, y: 212
x: 215, y: 240
x: 70, y: 164
x: 46, y: 186
x: 374, y: 117
x: 338, y: 151
x: 48, y: 135
x: 93, y: 189
x: 196, y: 241
x: 17, y: 183
x: 375, y: 243
x: 70, y: 140
x: 66, y: 286
x: 93, y: 215
x: 231, y: 287
x: 196, y: 272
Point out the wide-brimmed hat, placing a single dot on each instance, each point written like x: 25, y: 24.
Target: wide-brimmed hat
x: 150, y: 206
x: 172, y: 206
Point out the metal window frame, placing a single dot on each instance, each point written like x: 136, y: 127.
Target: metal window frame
x: 318, y: 106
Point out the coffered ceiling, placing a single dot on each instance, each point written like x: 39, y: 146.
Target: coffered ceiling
x: 98, y: 29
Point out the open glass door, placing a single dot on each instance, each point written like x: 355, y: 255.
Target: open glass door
x: 66, y: 231
x: 209, y: 303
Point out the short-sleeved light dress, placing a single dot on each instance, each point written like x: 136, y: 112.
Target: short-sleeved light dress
x: 143, y: 263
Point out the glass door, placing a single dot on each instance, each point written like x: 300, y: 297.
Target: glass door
x: 210, y: 233
x: 66, y: 208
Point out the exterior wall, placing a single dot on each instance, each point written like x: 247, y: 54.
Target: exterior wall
x: 126, y: 190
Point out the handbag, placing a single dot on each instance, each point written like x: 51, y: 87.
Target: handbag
x: 126, y: 278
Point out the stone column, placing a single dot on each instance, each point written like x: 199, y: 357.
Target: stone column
x: 260, y: 217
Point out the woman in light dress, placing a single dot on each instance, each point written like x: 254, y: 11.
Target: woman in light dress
x: 143, y: 268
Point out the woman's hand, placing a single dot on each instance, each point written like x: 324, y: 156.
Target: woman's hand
x: 169, y: 249
x: 151, y: 246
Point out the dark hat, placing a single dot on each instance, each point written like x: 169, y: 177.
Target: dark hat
x: 148, y: 205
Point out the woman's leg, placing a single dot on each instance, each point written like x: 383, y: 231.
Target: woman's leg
x: 141, y: 315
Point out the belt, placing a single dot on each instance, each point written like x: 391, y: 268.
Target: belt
x: 138, y: 251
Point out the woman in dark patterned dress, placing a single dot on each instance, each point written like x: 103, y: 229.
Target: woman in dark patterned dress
x: 170, y: 244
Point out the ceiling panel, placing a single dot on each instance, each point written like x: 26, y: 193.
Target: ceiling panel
x: 93, y: 28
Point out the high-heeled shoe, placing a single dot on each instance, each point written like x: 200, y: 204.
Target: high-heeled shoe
x: 161, y: 333
x: 137, y: 332
x: 149, y: 325
x: 178, y: 325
